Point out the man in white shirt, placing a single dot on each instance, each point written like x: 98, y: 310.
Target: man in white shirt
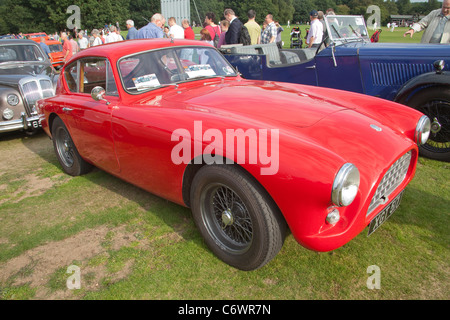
x: 315, y: 32
x: 175, y: 31
x: 82, y: 41
x: 112, y: 36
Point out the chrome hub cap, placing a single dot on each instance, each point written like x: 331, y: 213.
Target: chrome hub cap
x: 227, y: 218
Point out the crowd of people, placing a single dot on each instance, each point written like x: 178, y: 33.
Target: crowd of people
x: 217, y: 33
x: 230, y: 30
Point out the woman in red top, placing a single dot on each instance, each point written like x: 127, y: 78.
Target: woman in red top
x: 211, y: 26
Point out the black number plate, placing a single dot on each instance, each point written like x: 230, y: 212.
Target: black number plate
x: 385, y: 214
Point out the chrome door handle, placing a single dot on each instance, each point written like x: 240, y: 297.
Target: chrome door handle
x: 311, y: 67
x: 67, y: 109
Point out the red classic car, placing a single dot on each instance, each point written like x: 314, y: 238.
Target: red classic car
x: 250, y: 158
x: 56, y: 53
x: 36, y: 36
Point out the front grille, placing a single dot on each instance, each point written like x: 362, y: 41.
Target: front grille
x: 33, y: 89
x: 391, y: 180
x: 396, y: 74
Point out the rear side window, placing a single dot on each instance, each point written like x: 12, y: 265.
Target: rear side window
x: 85, y: 74
x: 71, y: 76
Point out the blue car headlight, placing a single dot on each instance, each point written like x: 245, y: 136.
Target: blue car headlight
x: 345, y: 185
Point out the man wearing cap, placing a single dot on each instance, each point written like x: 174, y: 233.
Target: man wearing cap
x: 315, y: 33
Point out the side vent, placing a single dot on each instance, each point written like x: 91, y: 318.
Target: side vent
x: 396, y: 74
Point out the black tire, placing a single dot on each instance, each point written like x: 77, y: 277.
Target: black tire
x: 236, y: 217
x: 435, y: 103
x: 66, y: 152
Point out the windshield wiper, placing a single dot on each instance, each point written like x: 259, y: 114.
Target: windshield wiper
x: 353, y: 30
x: 335, y: 30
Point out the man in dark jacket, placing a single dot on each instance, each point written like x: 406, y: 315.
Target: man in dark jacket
x: 234, y: 30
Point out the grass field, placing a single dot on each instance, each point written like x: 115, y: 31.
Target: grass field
x: 129, y: 244
x: 385, y: 36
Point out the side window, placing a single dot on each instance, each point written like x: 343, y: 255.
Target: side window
x: 71, y: 76
x: 92, y: 74
x: 85, y: 74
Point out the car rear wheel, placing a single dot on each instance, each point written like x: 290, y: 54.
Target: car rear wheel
x: 435, y: 103
x: 65, y: 150
x: 236, y: 217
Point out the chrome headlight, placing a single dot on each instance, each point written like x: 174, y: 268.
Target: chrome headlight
x: 12, y: 99
x: 345, y: 185
x: 422, y: 130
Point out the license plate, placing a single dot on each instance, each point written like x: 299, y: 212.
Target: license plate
x: 35, y: 124
x: 385, y: 214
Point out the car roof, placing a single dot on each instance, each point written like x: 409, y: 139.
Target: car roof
x: 116, y: 50
x: 16, y: 41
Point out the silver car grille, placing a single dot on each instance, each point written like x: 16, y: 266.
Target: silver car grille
x: 391, y: 180
x: 33, y: 89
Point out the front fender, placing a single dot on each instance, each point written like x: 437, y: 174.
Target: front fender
x: 425, y: 80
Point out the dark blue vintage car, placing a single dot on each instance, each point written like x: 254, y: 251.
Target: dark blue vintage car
x: 411, y: 74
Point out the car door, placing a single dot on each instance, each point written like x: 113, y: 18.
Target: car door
x: 338, y: 68
x: 90, y: 120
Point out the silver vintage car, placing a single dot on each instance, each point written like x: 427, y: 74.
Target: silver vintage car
x: 26, y: 75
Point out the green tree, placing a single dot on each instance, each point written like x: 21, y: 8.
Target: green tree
x: 141, y: 11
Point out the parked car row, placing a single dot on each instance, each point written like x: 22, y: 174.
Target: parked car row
x: 252, y: 158
x: 56, y: 49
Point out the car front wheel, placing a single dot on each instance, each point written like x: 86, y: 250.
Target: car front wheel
x: 236, y: 217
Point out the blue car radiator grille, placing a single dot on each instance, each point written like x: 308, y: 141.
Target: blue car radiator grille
x: 396, y: 74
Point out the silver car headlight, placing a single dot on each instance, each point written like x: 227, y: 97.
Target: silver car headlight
x: 422, y: 130
x: 345, y: 185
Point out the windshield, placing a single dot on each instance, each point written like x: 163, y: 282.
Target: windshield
x: 149, y: 70
x: 15, y: 53
x: 55, y: 47
x: 345, y: 28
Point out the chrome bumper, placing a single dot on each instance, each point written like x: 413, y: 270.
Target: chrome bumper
x: 25, y: 123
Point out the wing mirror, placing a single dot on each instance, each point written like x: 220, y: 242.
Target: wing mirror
x: 98, y: 94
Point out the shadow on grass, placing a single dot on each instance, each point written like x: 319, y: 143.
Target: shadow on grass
x: 175, y: 216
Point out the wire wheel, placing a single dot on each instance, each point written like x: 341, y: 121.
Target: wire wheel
x: 64, y: 147
x: 226, y: 218
x: 236, y: 217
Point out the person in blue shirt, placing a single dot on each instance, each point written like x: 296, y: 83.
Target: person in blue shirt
x: 132, y: 31
x: 44, y: 47
x: 153, y: 29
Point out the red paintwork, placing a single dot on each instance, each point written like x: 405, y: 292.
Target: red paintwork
x: 57, y: 58
x: 37, y: 36
x: 320, y: 130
